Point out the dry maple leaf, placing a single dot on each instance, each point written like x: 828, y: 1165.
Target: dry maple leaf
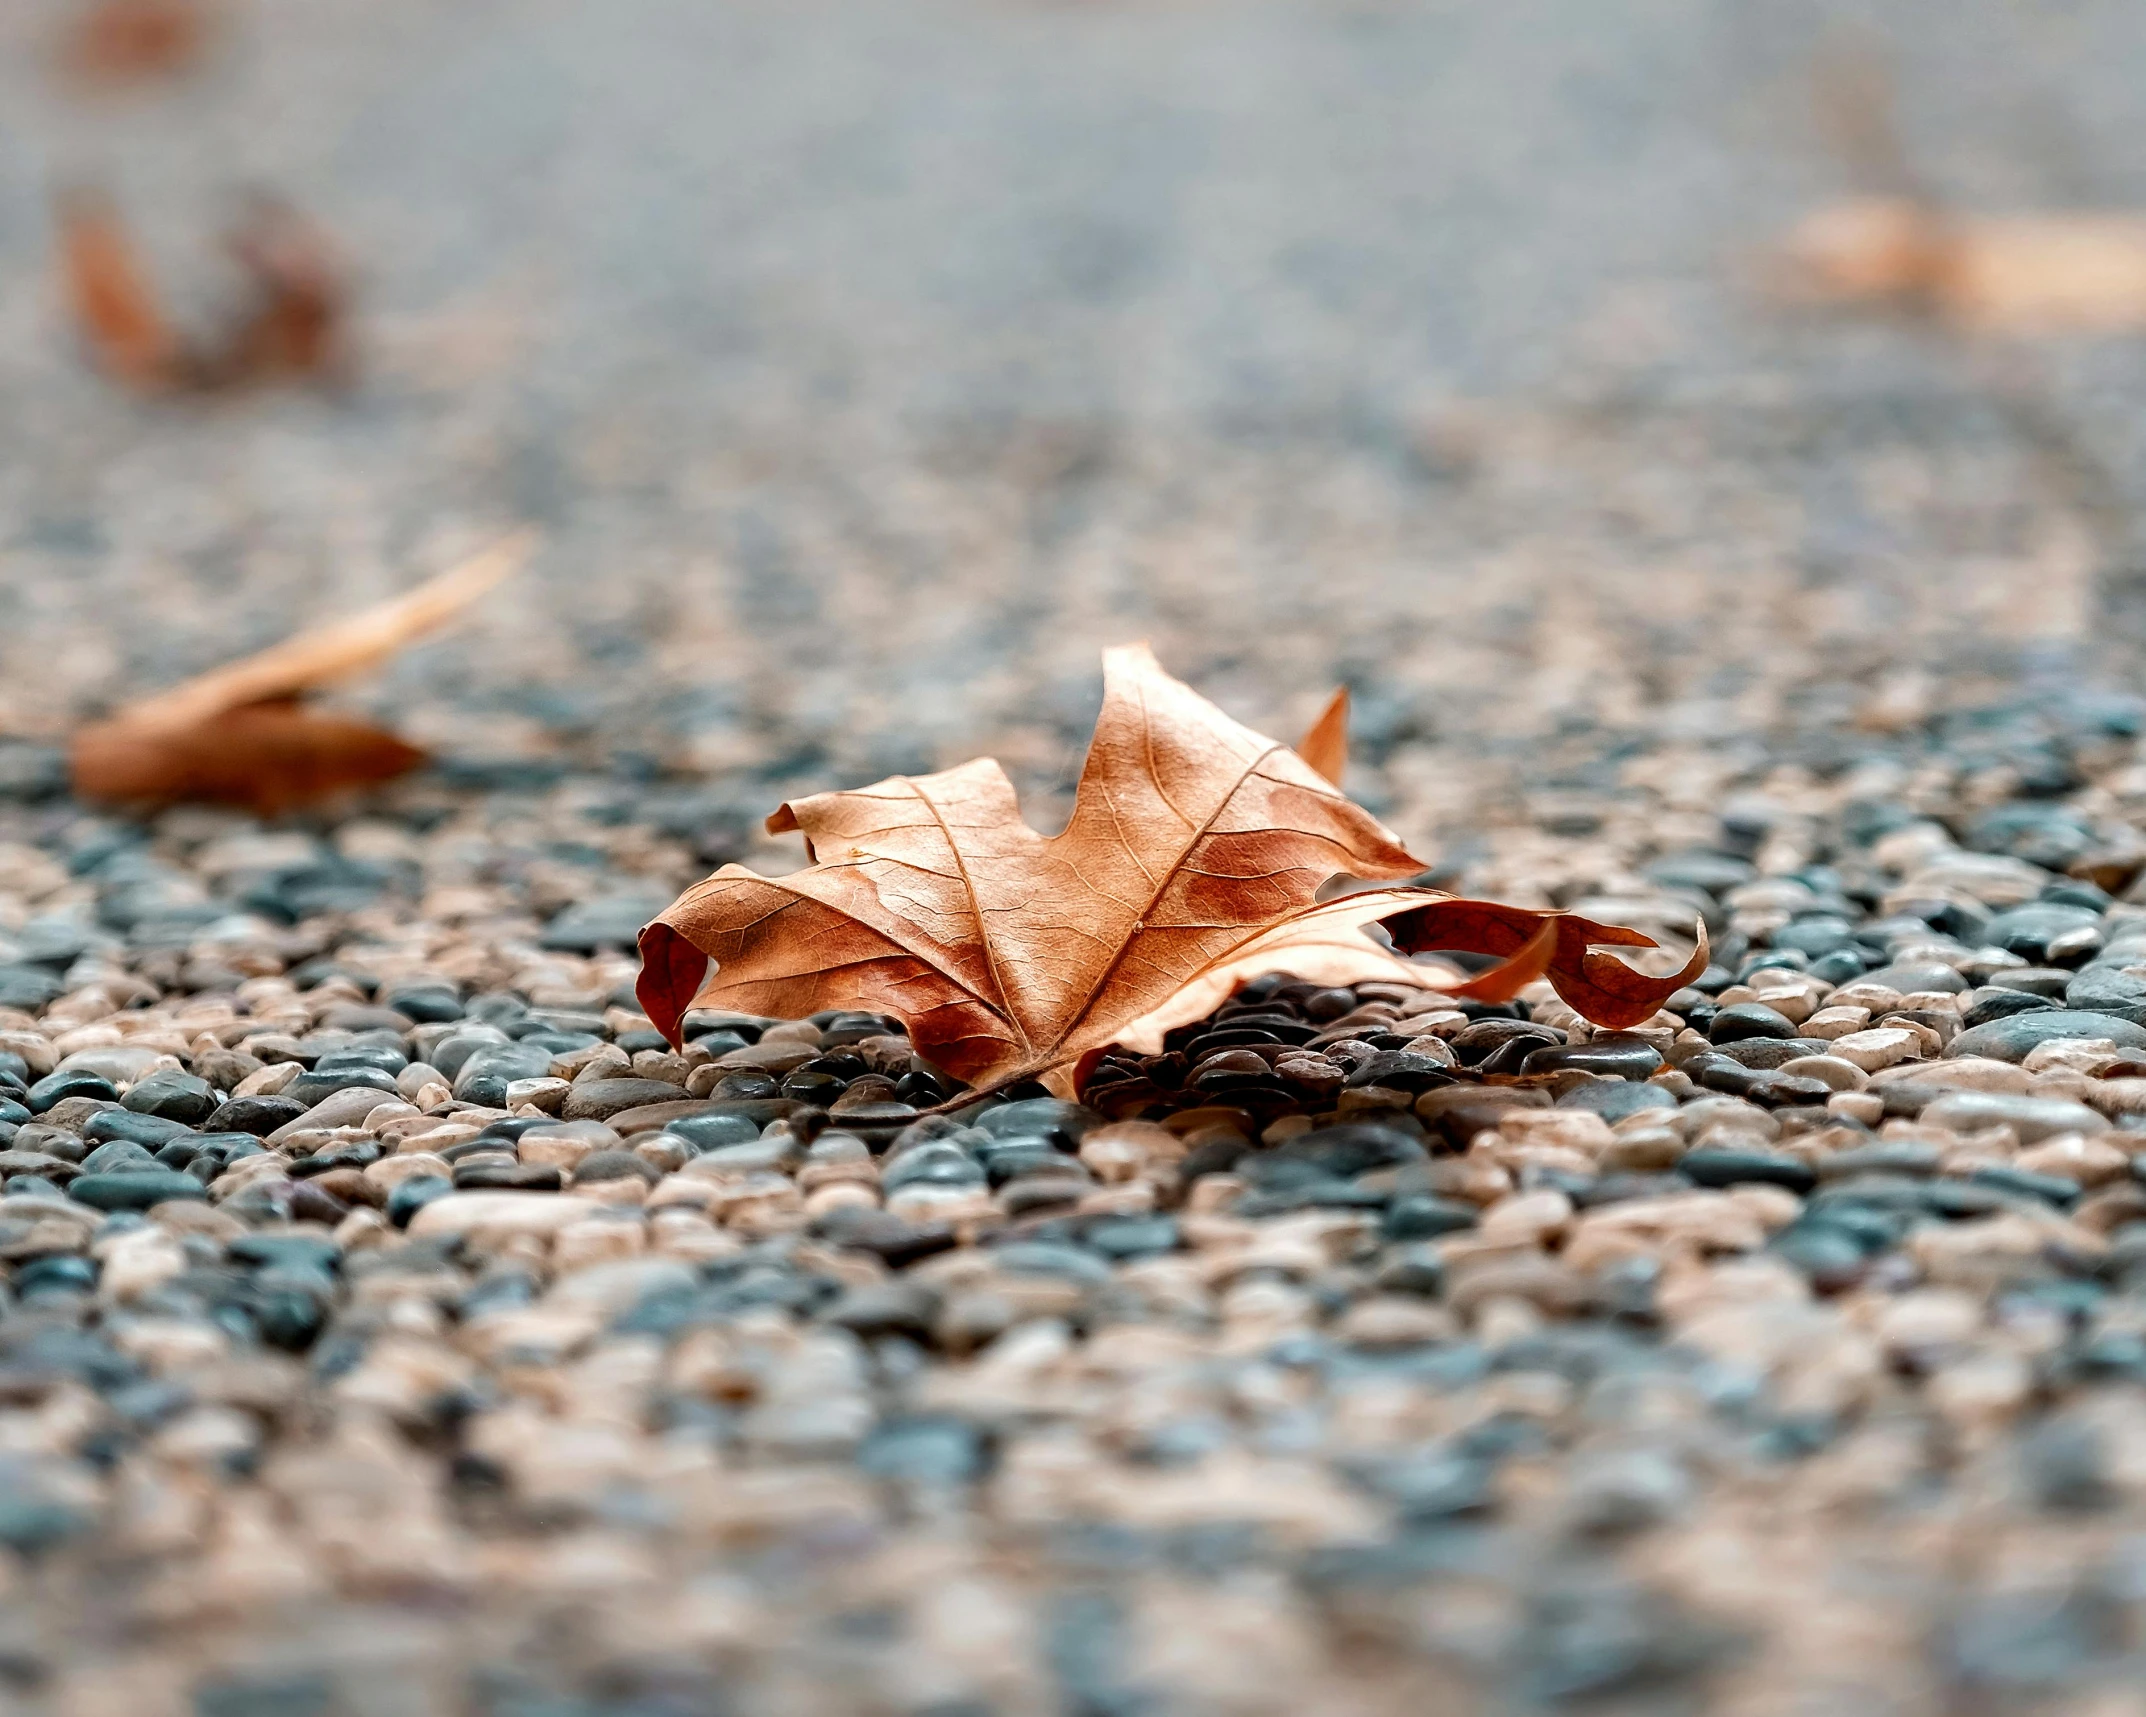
x: 240, y: 735
x: 290, y: 325
x: 1194, y: 855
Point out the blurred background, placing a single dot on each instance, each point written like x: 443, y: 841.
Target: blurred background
x: 868, y: 366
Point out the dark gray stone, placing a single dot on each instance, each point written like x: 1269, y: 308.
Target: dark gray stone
x: 2108, y: 990
x: 2014, y: 1038
x: 310, y: 1088
x: 1908, y: 979
x: 58, y: 1087
x: 134, y: 1188
x: 1749, y: 1020
x: 1998, y: 1003
x: 1615, y: 1054
x: 1732, y: 1168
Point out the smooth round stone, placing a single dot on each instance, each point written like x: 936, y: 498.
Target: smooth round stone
x: 1769, y: 1054
x: 28, y: 987
x: 488, y: 1071
x: 454, y: 1050
x: 814, y: 1087
x: 259, y: 1116
x: 1925, y: 976
x: 1701, y: 868
x: 1746, y: 1020
x: 1064, y: 1124
x: 311, y: 1088
x: 1995, y: 1004
x: 220, y: 1150
x: 600, y: 1099
x: 314, y: 1252
x: 56, y: 1275
x: 149, y: 1130
x: 1828, y: 1254
x: 1023, y: 1159
x: 1715, y: 1167
x: 2049, y: 981
x: 2048, y: 934
x: 936, y: 1163
x: 1413, y: 1072
x: 134, y: 1188
x: 507, y: 1177
x: 1780, y: 1090
x: 1485, y: 1040
x: 2108, y: 990
x: 1842, y: 966
x: 173, y: 1096
x: 1614, y: 1101
x: 1816, y: 936
x: 613, y: 1165
x: 713, y: 1131
x: 117, y: 1155
x: 878, y: 1121
x: 412, y: 1195
x: 56, y: 1088
x: 1829, y: 1070
x: 1422, y: 1216
x: 121, y: 1063
x: 39, y: 1163
x: 775, y: 1151
x: 426, y: 1005
x: 2015, y: 1038
x: 1127, y: 1237
x: 1613, y: 1054
x: 1717, y: 1072
x: 2047, y: 1188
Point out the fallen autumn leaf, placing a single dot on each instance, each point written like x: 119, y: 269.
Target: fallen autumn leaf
x: 1192, y: 859
x: 2016, y: 274
x: 289, y: 326
x: 240, y: 735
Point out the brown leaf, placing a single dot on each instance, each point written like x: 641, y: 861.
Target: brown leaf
x: 1326, y: 745
x: 1192, y: 859
x: 289, y: 327
x: 112, y: 302
x: 2080, y: 272
x: 269, y: 756
x: 1007, y: 953
x: 132, y: 41
x: 239, y: 735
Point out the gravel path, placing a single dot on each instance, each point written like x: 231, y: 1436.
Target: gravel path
x: 392, y: 1324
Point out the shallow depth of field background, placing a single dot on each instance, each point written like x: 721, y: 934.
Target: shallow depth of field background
x: 869, y: 364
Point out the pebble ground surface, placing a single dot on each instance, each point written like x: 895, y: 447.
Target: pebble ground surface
x: 391, y: 1323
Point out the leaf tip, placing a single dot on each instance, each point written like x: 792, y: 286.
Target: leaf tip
x: 1325, y: 745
